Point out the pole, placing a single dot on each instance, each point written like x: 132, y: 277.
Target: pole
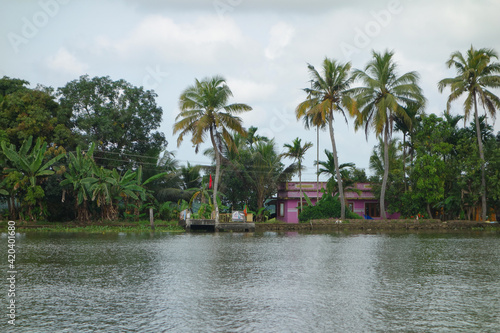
x: 151, y: 219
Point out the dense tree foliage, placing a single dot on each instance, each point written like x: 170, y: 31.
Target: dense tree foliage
x: 476, y: 75
x: 28, y: 112
x: 118, y: 117
x: 90, y: 150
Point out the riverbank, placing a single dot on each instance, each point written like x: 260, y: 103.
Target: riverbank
x: 99, y: 227
x: 378, y: 225
x: 319, y: 225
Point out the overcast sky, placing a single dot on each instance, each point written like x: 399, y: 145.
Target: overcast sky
x: 261, y: 47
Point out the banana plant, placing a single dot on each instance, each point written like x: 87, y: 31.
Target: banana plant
x: 80, y: 167
x: 144, y: 194
x: 100, y: 184
x: 31, y: 163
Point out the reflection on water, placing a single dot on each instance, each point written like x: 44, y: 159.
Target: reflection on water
x: 271, y: 282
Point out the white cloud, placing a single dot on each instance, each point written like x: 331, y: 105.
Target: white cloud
x: 200, y: 40
x: 66, y: 63
x: 280, y: 36
x: 246, y: 91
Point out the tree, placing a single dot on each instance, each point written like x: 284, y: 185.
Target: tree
x: 31, y: 163
x: 429, y: 172
x: 384, y: 96
x: 328, y: 168
x: 191, y: 177
x: 297, y: 152
x: 120, y: 118
x: 329, y: 92
x: 252, y: 137
x: 26, y: 112
x: 9, y: 86
x: 204, y: 109
x: 414, y: 112
x: 475, y: 75
x: 265, y: 171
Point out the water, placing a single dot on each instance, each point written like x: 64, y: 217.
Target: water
x: 230, y: 282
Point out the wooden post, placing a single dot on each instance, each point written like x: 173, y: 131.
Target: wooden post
x: 151, y: 219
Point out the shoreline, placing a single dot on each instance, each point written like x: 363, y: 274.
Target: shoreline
x: 315, y: 225
x: 380, y: 225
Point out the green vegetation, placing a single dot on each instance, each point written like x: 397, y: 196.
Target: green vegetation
x: 297, y: 151
x: 103, y: 227
x: 476, y: 74
x: 204, y: 109
x: 328, y: 93
x: 327, y: 207
x: 90, y: 151
x: 384, y: 97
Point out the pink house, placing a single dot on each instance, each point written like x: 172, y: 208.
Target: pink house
x: 288, y: 200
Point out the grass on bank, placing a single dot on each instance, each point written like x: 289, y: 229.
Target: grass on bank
x: 96, y: 227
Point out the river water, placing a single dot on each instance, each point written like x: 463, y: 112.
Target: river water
x: 244, y: 282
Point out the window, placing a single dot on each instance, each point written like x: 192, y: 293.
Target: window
x: 281, y: 209
x: 372, y: 209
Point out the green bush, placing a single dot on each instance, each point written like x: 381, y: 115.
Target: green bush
x: 327, y: 207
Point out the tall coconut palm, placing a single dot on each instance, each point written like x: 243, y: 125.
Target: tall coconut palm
x: 384, y: 96
x: 475, y: 75
x: 297, y: 152
x: 204, y: 109
x: 413, y: 111
x: 328, y: 93
x: 328, y: 168
x: 311, y: 120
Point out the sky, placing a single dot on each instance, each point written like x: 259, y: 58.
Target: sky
x: 261, y: 48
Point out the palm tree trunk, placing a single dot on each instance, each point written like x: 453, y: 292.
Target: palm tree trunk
x: 300, y: 184
x: 404, y: 160
x: 216, y: 180
x: 386, y: 173
x: 481, y: 156
x: 337, y: 169
x: 317, y: 163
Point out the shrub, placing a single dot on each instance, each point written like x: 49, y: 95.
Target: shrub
x: 327, y: 207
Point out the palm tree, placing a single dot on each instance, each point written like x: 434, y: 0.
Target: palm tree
x: 383, y: 98
x: 266, y: 171
x: 310, y: 120
x: 204, y: 110
x: 328, y: 168
x: 329, y: 92
x: 377, y: 161
x: 408, y: 128
x: 475, y: 75
x: 296, y: 151
x: 252, y: 137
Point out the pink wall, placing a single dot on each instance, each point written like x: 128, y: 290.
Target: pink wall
x: 289, y: 194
